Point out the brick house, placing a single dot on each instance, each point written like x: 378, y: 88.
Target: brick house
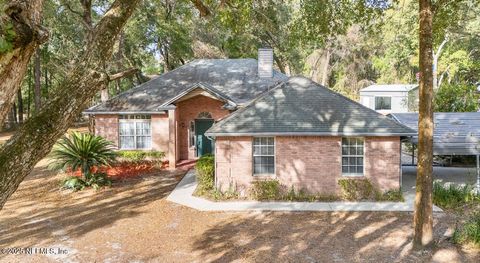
x: 259, y: 123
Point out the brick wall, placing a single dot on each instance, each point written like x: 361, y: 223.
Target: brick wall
x: 107, y: 127
x: 310, y: 163
x: 187, y: 111
x: 160, y: 133
x: 382, y: 161
x: 233, y: 158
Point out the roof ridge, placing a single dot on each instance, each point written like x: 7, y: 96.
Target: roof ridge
x: 356, y: 103
x: 322, y: 91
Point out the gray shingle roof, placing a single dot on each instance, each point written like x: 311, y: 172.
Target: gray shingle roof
x: 456, y: 133
x: 300, y: 106
x: 234, y: 78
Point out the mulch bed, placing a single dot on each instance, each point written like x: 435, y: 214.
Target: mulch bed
x: 127, y: 170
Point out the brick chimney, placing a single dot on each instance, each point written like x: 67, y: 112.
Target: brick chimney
x: 265, y: 62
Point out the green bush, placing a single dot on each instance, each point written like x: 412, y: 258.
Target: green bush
x: 74, y: 183
x: 391, y: 196
x: 266, y: 190
x: 139, y: 156
x: 453, y: 196
x: 205, y: 168
x: 81, y: 151
x: 456, y: 97
x: 470, y: 231
x: 357, y: 189
x: 99, y: 180
x: 299, y: 196
x: 96, y: 181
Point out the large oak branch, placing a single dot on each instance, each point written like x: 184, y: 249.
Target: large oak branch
x: 24, y: 18
x: 34, y: 140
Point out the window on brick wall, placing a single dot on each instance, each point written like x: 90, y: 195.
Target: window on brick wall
x: 352, y: 156
x: 135, y: 132
x: 263, y: 155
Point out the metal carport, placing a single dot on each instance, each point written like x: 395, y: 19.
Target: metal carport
x: 455, y: 133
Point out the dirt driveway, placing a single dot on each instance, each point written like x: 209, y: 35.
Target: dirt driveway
x: 132, y: 222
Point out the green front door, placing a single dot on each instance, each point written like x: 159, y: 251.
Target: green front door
x: 204, y: 145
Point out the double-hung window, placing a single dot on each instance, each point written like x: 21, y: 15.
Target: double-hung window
x: 263, y: 155
x: 352, y: 156
x: 135, y: 132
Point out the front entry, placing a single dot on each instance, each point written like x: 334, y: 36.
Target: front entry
x: 203, y: 144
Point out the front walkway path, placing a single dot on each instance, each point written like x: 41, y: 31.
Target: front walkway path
x: 183, y: 194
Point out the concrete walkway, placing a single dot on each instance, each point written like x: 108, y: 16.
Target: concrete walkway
x: 183, y: 194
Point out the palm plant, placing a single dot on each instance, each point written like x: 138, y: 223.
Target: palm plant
x: 81, y: 151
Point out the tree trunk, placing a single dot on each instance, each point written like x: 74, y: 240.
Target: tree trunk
x: 11, y: 119
x: 202, y: 8
x: 14, y: 114
x: 325, y: 67
x: 34, y: 140
x: 29, y: 94
x: 20, y: 106
x: 45, y: 85
x: 423, y: 216
x: 25, y: 16
x: 436, y: 56
x: 37, y: 90
x: 104, y: 96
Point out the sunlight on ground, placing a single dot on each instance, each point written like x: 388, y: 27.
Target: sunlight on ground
x: 132, y: 221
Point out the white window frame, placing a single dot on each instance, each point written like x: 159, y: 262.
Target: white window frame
x: 352, y: 155
x: 382, y: 96
x: 264, y: 155
x: 134, y: 119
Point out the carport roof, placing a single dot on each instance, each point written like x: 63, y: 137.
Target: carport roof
x: 455, y: 133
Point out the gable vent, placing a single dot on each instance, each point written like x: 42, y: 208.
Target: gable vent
x: 265, y: 62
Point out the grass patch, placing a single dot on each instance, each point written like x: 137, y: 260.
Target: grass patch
x: 390, y: 196
x: 470, y: 231
x: 452, y: 196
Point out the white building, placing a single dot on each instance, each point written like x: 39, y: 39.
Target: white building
x: 388, y: 98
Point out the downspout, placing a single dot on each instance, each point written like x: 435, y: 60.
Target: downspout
x: 401, y: 166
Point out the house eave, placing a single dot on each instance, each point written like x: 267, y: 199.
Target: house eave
x: 228, y: 134
x: 162, y: 111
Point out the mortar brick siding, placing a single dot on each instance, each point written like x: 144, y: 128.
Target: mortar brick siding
x: 382, y: 161
x: 310, y: 163
x: 233, y: 156
x: 187, y: 111
x: 107, y: 127
x: 160, y: 132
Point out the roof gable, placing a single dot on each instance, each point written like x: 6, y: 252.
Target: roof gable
x: 235, y: 80
x: 300, y: 106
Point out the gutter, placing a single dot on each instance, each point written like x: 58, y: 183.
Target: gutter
x: 122, y: 112
x: 215, y: 134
